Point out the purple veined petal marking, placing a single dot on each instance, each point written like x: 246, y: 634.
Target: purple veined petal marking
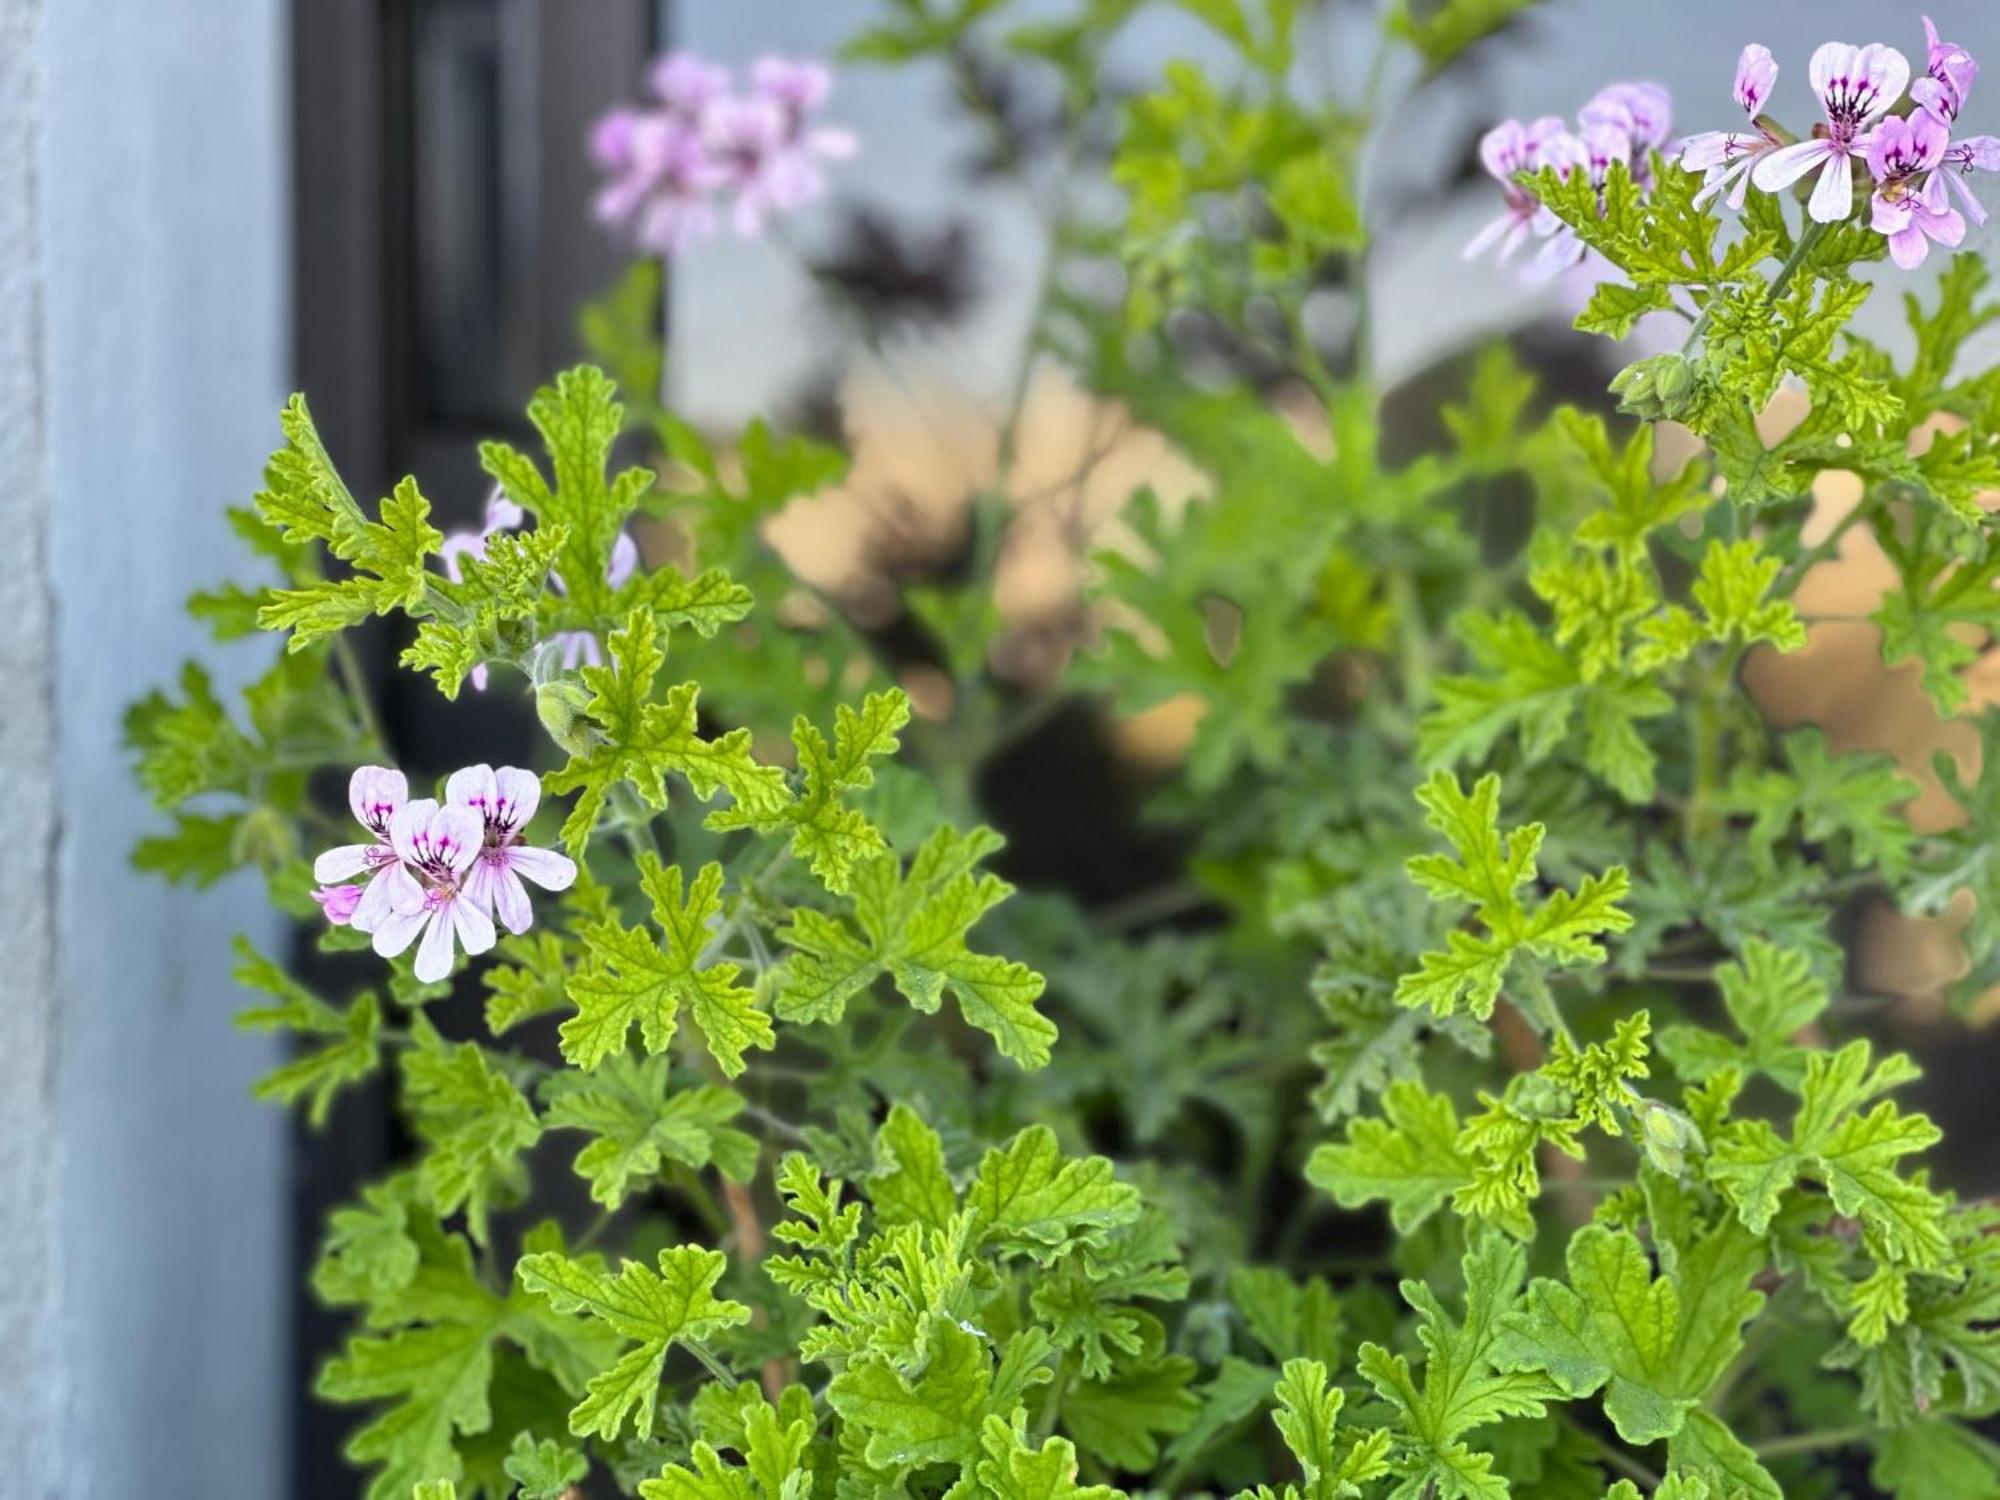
x: 1756, y: 76
x: 438, y: 843
x: 375, y: 794
x: 1605, y: 145
x: 1914, y: 221
x: 1910, y: 162
x: 1729, y: 158
x: 506, y: 800
x: 1949, y: 71
x: 1856, y: 86
x: 1900, y: 149
x: 343, y: 862
x: 1511, y: 148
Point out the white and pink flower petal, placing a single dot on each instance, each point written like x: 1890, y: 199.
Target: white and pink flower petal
x: 1777, y: 170
x: 1756, y: 76
x: 398, y: 930
x: 518, y: 793
x: 374, y: 793
x: 436, y: 951
x: 394, y: 889
x: 473, y: 926
x: 343, y: 863
x: 548, y: 869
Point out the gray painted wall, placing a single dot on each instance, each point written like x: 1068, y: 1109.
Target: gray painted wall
x: 30, y: 1372
x: 143, y: 347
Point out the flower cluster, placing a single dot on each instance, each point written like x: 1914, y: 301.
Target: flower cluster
x: 1876, y: 118
x: 1623, y: 123
x: 444, y: 871
x: 699, y: 144
x: 575, y: 647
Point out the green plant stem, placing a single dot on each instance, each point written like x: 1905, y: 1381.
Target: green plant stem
x: 712, y: 1365
x: 1705, y: 730
x: 1813, y: 1442
x: 356, y: 683
x: 1045, y: 1425
x: 1414, y: 644
x: 1810, y: 236
x: 589, y: 1236
x: 1542, y: 1005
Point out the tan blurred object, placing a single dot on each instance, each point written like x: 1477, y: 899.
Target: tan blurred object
x: 919, y: 460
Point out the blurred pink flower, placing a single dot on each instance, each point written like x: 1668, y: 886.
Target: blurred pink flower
x: 675, y: 164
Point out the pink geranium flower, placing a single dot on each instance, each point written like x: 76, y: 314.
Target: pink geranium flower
x: 375, y: 794
x: 767, y: 144
x: 1724, y: 157
x: 505, y: 800
x: 672, y: 162
x: 1641, y: 112
x: 1947, y: 79
x: 662, y: 179
x: 440, y: 845
x: 1909, y: 212
x: 1856, y: 86
x: 1507, y: 150
x: 686, y: 84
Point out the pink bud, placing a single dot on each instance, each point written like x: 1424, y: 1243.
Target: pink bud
x: 338, y: 902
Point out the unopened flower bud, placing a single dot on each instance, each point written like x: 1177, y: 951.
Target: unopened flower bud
x: 1667, y: 1136
x: 1654, y: 388
x: 560, y: 705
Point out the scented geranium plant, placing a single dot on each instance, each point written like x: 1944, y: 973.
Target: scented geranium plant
x: 1480, y: 1104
